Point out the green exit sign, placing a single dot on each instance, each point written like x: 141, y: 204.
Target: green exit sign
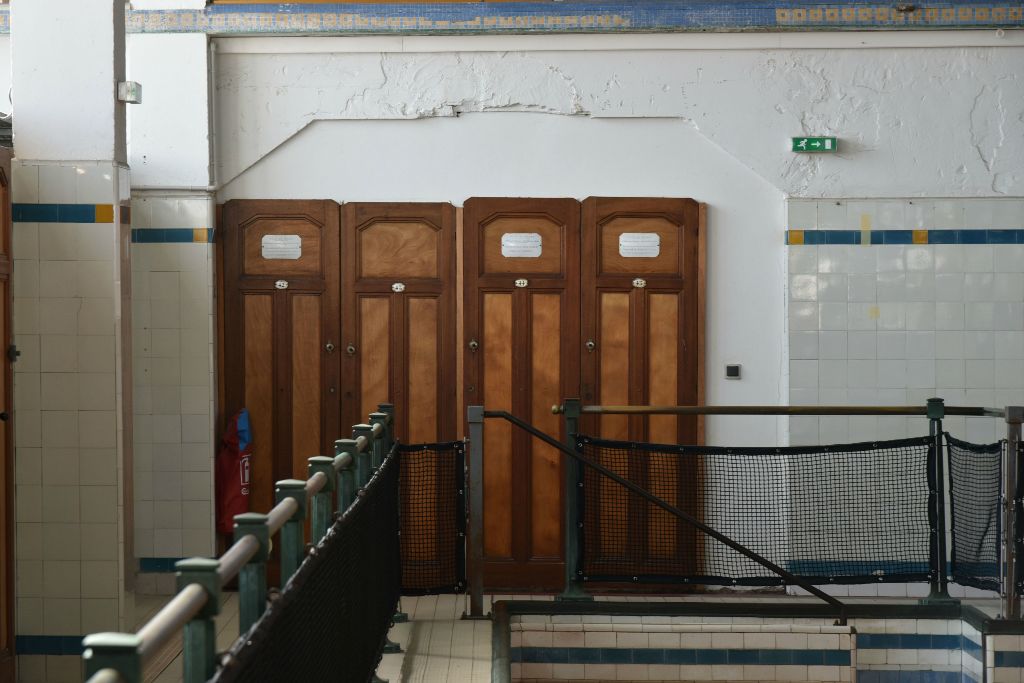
x: 814, y: 144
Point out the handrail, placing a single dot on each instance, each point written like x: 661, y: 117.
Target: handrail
x: 973, y: 411
x: 693, y: 521
x: 198, y: 600
x: 236, y: 557
x: 171, y: 618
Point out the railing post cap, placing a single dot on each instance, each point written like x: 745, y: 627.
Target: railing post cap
x: 362, y: 427
x: 296, y: 490
x: 321, y: 463
x: 936, y: 408
x: 289, y: 484
x: 319, y: 459
x: 108, y: 641
x: 475, y: 413
x: 250, y: 518
x: 386, y: 407
x: 379, y: 416
x: 1015, y: 414
x: 197, y: 564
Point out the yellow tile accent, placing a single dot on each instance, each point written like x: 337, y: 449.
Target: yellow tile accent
x: 865, y: 238
x: 104, y: 213
x: 795, y: 237
x: 874, y: 312
x: 920, y: 237
x: 199, y: 234
x: 865, y: 221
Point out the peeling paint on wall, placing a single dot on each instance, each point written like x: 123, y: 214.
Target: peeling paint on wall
x: 944, y: 121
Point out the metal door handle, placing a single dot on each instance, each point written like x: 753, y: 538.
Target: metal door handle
x: 329, y: 347
x: 4, y: 416
x: 473, y: 345
x: 591, y: 345
x: 350, y: 349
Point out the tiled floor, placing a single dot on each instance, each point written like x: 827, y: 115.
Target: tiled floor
x: 437, y: 645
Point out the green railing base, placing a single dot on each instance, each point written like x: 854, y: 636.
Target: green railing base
x: 391, y: 647
x: 400, y: 618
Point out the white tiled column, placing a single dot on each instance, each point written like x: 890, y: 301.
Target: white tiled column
x: 71, y: 241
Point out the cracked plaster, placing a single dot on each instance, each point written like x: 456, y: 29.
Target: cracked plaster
x: 917, y: 122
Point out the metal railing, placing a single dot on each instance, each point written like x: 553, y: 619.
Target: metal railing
x: 332, y: 487
x: 935, y: 411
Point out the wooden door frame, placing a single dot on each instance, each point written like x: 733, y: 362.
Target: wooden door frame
x: 475, y: 285
x: 7, y: 537
x: 234, y: 214
x: 440, y: 215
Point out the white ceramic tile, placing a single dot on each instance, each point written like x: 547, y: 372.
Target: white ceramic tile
x: 832, y: 345
x: 1008, y: 344
x: 891, y: 286
x: 978, y: 258
x: 947, y: 214
x: 801, y: 214
x: 862, y: 260
x: 862, y: 316
x: 950, y: 258
x: 832, y: 374
x: 918, y: 214
x: 831, y: 215
x: 25, y: 241
x: 196, y: 486
x: 978, y: 214
x: 861, y: 373
x: 979, y: 345
x: 1008, y: 258
x: 978, y: 287
x: 920, y: 373
x: 57, y: 184
x: 1008, y: 213
x: 99, y: 504
x: 861, y: 287
x: 802, y: 259
x: 58, y: 316
x: 978, y: 373
x: 949, y: 316
x: 862, y: 345
x: 57, y: 241
x: 891, y: 373
x: 96, y: 242
x: 832, y: 287
x: 97, y: 429
x: 920, y: 257
x: 921, y: 345
x: 892, y: 316
x: 61, y: 467
x: 861, y: 215
x: 920, y: 316
x: 949, y: 373
x: 1008, y: 316
x: 833, y: 258
x: 95, y: 185
x: 832, y: 316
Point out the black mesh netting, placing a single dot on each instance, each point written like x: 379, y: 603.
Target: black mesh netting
x: 433, y: 518
x: 975, y: 472
x: 332, y: 617
x: 852, y: 513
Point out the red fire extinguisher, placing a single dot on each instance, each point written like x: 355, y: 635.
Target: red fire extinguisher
x: 233, y: 471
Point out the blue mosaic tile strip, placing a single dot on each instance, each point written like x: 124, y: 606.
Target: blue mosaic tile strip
x: 57, y: 213
x: 865, y: 676
x: 172, y: 235
x: 816, y: 569
x: 627, y: 655
x: 908, y: 641
x: 1010, y: 659
x: 971, y: 647
x: 569, y: 16
x: 158, y: 565
x: 980, y: 236
x: 48, y: 645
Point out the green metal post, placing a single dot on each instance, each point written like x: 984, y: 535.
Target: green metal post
x: 573, y: 573
x: 291, y: 533
x: 252, y: 580
x: 381, y: 447
x: 322, y: 499
x: 938, y: 592
x: 389, y: 410
x: 117, y: 651
x: 346, y: 475
x: 363, y: 464
x: 199, y: 643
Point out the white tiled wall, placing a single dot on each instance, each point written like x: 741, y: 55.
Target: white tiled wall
x: 68, y: 420
x: 897, y: 324
x: 174, y: 383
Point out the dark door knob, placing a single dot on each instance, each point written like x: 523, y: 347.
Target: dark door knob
x: 4, y: 416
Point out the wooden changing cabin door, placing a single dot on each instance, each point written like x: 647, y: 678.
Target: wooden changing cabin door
x: 641, y: 316
x: 398, y: 312
x: 281, y: 329
x: 521, y: 355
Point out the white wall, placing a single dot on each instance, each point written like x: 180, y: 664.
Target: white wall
x: 935, y: 121
x: 528, y: 154
x: 169, y: 132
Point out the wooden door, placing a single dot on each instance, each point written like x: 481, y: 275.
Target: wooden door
x: 6, y: 440
x: 398, y: 317
x: 521, y: 355
x: 641, y: 316
x: 281, y: 281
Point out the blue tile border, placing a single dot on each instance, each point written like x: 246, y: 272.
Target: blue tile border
x: 158, y: 565
x: 1009, y: 659
x: 62, y: 213
x: 172, y: 235
x: 627, y: 655
x: 876, y: 237
x: 568, y: 16
x: 908, y: 641
x: 871, y: 676
x: 48, y: 645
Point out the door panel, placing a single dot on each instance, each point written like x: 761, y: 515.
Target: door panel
x: 522, y: 310
x: 281, y: 300
x: 398, y: 313
x: 640, y: 307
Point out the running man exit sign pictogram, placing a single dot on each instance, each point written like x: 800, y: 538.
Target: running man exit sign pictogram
x: 814, y: 144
